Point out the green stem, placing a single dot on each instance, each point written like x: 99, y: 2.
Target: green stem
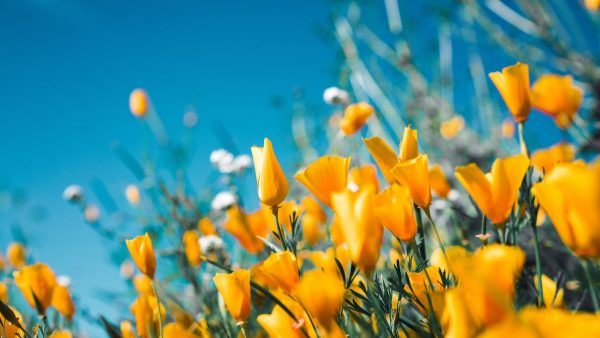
x: 438, y: 237
x: 160, y: 320
x: 588, y: 276
x: 538, y: 265
x: 420, y: 231
x: 524, y: 148
x: 275, y: 211
x: 484, y: 239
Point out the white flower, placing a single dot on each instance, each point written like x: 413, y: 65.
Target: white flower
x: 335, y: 96
x: 73, y: 193
x: 453, y: 195
x: 91, y: 213
x: 63, y: 280
x: 223, y: 200
x: 242, y: 162
x: 210, y: 243
x: 220, y: 156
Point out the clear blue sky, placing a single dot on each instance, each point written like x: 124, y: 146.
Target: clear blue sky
x: 67, y: 68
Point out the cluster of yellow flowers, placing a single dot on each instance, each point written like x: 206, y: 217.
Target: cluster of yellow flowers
x: 342, y: 254
x: 322, y: 273
x: 42, y: 290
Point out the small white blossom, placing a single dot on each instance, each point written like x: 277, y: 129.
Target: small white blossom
x: 220, y: 156
x: 453, y: 195
x: 63, y: 280
x: 336, y: 96
x: 242, y: 162
x: 223, y: 200
x: 210, y: 243
x: 73, y: 193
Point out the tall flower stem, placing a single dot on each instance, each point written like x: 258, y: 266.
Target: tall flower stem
x: 275, y: 211
x: 438, y: 237
x: 420, y: 231
x: 160, y: 320
x: 586, y: 268
x: 524, y: 148
x: 538, y: 265
x: 484, y: 239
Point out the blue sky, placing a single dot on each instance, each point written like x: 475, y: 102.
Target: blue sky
x: 67, y: 68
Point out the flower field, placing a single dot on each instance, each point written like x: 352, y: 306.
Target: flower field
x: 425, y: 223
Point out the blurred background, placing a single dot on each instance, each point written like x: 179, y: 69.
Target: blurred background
x: 247, y: 71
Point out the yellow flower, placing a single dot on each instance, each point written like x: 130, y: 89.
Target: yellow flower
x: 545, y: 159
x: 414, y: 174
x: 126, y: 329
x: 61, y: 334
x: 592, y: 5
x: 495, y: 193
x: 192, y: 247
x: 487, y: 281
x: 570, y: 196
x: 394, y: 209
x: 330, y: 291
x: 175, y: 330
x: 507, y: 129
x: 386, y: 158
x: 557, y: 96
x: 10, y: 330
x: 270, y: 179
x: 235, y: 290
x: 513, y: 85
x: 355, y: 117
x: 284, y: 214
x: 16, y: 255
x: 449, y: 129
x: 409, y: 148
x: 438, y: 181
x: 206, y: 227
x: 325, y: 176
x: 145, y: 309
x: 279, y: 324
x: 282, y: 268
x: 359, y: 226
x: 36, y: 279
x: 457, y: 320
x: 132, y: 193
x: 362, y: 176
x: 246, y: 228
x: 427, y: 288
x: 3, y: 293
x: 313, y: 220
x: 142, y: 253
x: 143, y: 285
x: 553, y: 297
x: 62, y: 302
x: 454, y: 253
x: 138, y: 102
x: 325, y: 260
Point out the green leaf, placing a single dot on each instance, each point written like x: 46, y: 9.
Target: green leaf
x: 10, y: 316
x: 110, y: 328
